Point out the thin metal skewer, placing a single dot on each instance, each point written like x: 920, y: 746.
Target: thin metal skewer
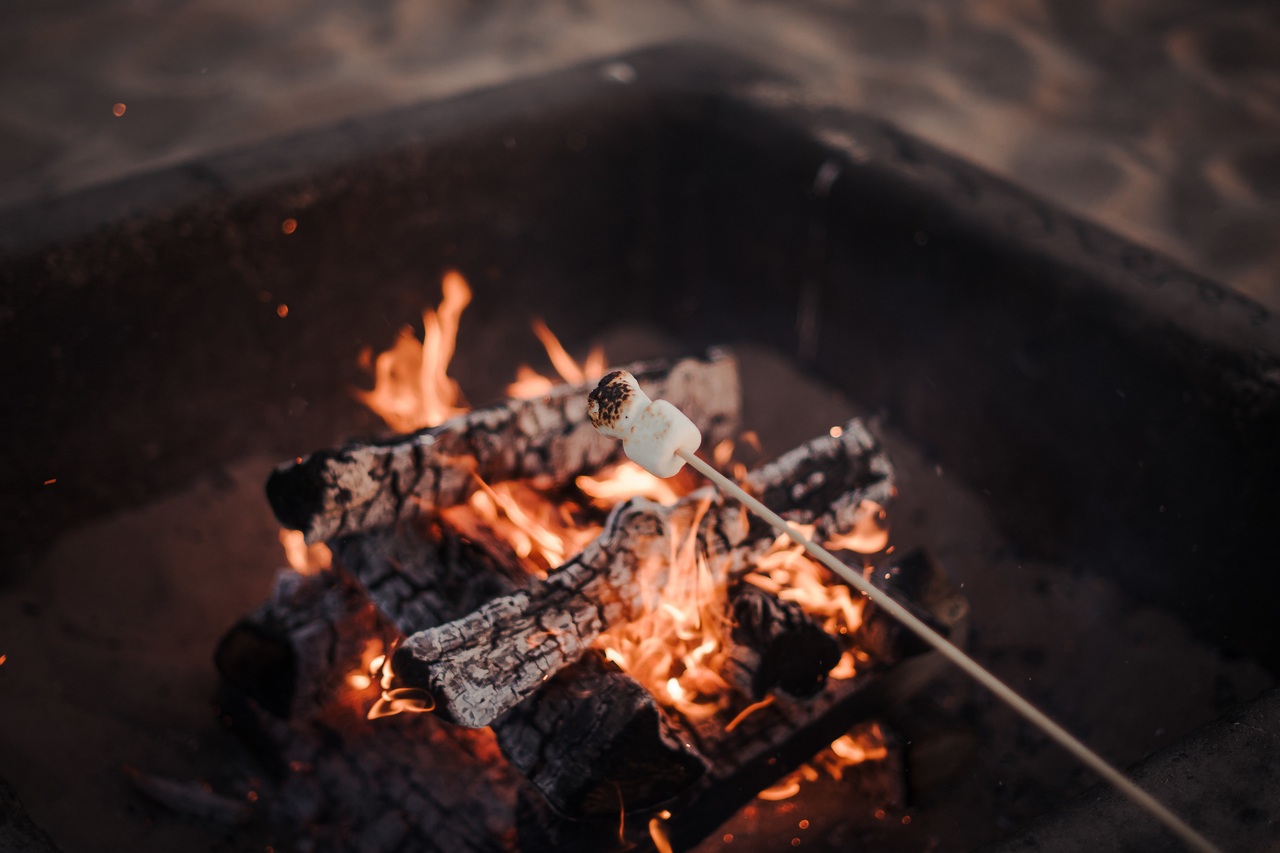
x: 1193, y: 839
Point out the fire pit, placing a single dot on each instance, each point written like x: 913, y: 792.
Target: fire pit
x: 1083, y: 432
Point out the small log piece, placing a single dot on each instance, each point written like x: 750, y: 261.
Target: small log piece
x: 291, y: 653
x: 486, y: 662
x: 775, y: 644
x: 548, y: 439
x: 594, y: 742
x: 917, y: 582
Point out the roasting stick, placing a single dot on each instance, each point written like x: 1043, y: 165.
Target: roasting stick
x: 658, y: 437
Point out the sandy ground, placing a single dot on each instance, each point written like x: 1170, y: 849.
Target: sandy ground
x: 109, y: 643
x: 1159, y: 118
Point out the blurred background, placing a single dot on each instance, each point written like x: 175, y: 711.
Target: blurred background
x: 1157, y: 118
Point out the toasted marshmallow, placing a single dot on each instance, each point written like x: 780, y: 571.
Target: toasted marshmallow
x: 652, y: 431
x: 616, y: 404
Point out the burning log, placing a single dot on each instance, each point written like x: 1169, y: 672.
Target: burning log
x: 911, y: 579
x: 594, y: 742
x: 588, y: 734
x: 776, y: 644
x: 427, y: 573
x: 290, y: 654
x: 480, y: 666
x: 352, y: 784
x: 368, y: 485
x: 750, y: 747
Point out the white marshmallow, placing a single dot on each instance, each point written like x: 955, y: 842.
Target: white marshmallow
x: 651, y: 431
x: 657, y: 434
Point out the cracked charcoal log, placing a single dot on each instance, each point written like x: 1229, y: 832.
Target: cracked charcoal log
x: 594, y: 741
x: 775, y: 739
x: 917, y: 583
x: 481, y: 665
x: 349, y: 783
x: 403, y: 783
x: 298, y: 646
x: 293, y: 651
x: 368, y: 485
x: 824, y: 481
x: 425, y: 575
x: 776, y: 644
x: 484, y: 663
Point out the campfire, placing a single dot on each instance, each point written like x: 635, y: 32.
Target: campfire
x: 497, y: 597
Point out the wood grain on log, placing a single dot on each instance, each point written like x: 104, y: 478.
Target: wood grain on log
x: 291, y: 653
x: 479, y: 666
x: 368, y: 485
x: 425, y: 575
x: 775, y: 739
x: 775, y: 644
x: 917, y: 582
x: 594, y: 742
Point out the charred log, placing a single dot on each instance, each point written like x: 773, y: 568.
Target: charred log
x: 369, y: 485
x: 776, y: 644
x: 594, y: 742
x: 291, y: 653
x: 391, y: 784
x: 917, y: 583
x: 426, y: 573
x: 485, y: 663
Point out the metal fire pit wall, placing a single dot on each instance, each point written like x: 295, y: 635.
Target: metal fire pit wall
x: 1119, y: 413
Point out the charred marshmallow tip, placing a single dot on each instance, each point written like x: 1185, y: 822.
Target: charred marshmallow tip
x: 652, y: 432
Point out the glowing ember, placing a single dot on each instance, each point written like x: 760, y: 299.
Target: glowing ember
x: 399, y: 700
x: 748, y: 711
x: 786, y: 571
x: 865, y: 743
x: 658, y: 831
x: 870, y: 531
x: 623, y: 482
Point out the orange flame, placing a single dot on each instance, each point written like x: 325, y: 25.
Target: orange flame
x: 303, y: 558
x: 530, y: 383
x: 864, y: 743
x: 675, y: 648
x: 412, y: 388
x: 870, y: 531
x: 787, y: 572
x: 658, y: 831
x: 623, y: 482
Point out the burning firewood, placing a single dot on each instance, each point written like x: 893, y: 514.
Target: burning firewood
x: 595, y: 742
x: 776, y: 644
x: 373, y: 484
x: 485, y: 663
